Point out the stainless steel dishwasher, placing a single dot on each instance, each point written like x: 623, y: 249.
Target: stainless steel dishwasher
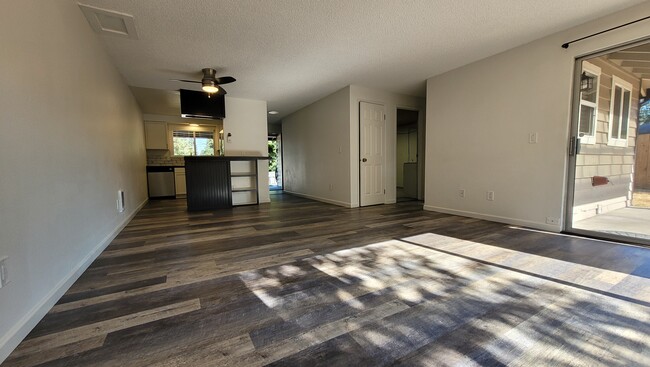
x: 161, y: 182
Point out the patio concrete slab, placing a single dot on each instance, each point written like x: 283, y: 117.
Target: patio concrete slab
x: 631, y: 222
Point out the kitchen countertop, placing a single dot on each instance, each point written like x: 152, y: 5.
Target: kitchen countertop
x: 227, y: 158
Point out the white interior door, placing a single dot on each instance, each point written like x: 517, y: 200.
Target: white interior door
x: 371, y: 153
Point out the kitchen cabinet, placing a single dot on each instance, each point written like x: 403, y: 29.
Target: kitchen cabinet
x: 179, y: 177
x: 155, y: 134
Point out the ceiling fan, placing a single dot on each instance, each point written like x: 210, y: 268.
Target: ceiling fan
x: 210, y: 83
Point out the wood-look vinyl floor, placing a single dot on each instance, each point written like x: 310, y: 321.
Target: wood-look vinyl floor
x: 302, y: 283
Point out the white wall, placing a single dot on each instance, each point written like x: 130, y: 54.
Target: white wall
x: 246, y: 120
x: 479, y: 117
x: 321, y: 144
x: 72, y: 136
x: 391, y: 102
x: 316, y: 149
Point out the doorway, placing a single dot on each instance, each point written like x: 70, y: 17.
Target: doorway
x: 275, y: 162
x: 407, y: 155
x: 609, y: 183
x: 372, y: 130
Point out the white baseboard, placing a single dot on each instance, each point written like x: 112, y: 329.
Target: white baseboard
x: 496, y: 218
x: 19, y: 331
x: 317, y: 198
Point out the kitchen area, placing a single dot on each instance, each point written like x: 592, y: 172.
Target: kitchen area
x: 168, y: 143
x: 172, y: 133
x: 187, y: 161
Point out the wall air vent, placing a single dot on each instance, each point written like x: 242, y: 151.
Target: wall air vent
x: 110, y: 22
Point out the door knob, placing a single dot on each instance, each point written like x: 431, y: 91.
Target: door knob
x: 364, y: 160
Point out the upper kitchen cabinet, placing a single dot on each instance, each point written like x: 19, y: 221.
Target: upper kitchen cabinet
x: 155, y: 134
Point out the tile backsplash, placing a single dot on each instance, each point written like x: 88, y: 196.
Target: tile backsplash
x: 163, y: 158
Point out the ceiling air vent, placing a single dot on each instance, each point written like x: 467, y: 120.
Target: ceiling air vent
x: 110, y: 22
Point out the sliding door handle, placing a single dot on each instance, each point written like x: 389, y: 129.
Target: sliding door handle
x: 574, y: 146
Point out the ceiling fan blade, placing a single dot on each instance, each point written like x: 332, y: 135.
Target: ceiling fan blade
x: 185, y: 81
x: 225, y: 80
x: 221, y: 90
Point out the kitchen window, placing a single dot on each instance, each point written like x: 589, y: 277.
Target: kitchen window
x: 619, y: 115
x: 188, y: 141
x: 588, y: 118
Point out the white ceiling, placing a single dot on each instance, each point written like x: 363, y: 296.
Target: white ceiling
x: 294, y: 52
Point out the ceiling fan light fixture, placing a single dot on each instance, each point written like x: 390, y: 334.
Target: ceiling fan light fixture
x: 210, y: 83
x: 210, y: 88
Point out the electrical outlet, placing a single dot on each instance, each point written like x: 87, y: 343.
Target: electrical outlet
x: 461, y: 193
x: 532, y: 138
x: 552, y: 220
x: 490, y: 195
x: 4, y: 274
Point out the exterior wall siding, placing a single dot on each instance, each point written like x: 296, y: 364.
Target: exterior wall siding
x: 642, y: 164
x: 600, y: 159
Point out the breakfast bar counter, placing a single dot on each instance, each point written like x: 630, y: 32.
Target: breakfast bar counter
x: 221, y: 182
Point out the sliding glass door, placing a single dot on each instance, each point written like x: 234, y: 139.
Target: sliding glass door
x: 609, y: 183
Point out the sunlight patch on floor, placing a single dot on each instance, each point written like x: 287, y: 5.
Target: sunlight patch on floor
x: 515, y: 307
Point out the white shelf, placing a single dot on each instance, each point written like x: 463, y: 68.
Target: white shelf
x: 244, y: 174
x: 243, y: 182
x: 244, y: 197
x: 243, y: 189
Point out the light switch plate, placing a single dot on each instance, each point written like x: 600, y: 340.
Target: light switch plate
x: 489, y: 195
